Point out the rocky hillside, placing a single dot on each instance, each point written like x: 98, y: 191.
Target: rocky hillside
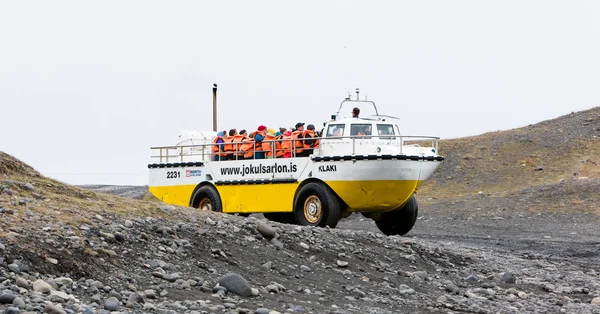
x: 543, y: 160
x: 65, y: 249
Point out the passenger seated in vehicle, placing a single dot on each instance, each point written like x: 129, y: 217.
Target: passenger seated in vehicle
x: 259, y: 136
x: 243, y: 135
x: 310, y: 141
x: 286, y: 144
x: 271, y: 145
x: 365, y: 131
x: 298, y: 143
x: 247, y: 148
x: 228, y: 147
x: 219, y: 147
x: 233, y: 146
x: 278, y: 146
x: 355, y: 112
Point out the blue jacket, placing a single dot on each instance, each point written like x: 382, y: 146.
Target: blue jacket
x: 258, y: 137
x: 221, y: 146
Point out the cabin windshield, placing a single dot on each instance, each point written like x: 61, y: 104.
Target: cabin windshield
x: 335, y: 130
x: 385, y: 129
x: 360, y: 129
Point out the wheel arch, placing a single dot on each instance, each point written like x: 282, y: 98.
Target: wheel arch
x: 201, y: 184
x: 343, y: 204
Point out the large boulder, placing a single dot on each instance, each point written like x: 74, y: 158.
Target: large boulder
x: 236, y: 284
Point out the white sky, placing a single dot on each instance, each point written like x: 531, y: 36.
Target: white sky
x: 87, y: 87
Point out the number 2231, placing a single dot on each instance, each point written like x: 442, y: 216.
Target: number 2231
x: 173, y: 174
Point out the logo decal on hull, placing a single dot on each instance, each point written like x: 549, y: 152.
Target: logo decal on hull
x: 193, y: 173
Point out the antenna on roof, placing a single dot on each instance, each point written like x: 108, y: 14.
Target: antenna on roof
x: 346, y: 68
x: 357, y: 91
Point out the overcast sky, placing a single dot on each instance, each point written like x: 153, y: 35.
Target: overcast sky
x: 87, y: 87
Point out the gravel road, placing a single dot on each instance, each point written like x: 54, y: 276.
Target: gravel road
x: 510, y: 228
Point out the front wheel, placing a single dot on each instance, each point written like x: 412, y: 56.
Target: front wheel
x: 401, y: 220
x: 207, y: 198
x: 316, y: 205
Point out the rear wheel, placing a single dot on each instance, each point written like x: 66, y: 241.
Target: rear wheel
x: 207, y: 198
x: 316, y: 205
x: 401, y: 220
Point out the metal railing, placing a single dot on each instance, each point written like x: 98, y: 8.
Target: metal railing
x: 178, y: 153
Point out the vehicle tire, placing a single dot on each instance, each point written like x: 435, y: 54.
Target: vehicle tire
x: 316, y: 205
x: 207, y: 198
x: 401, y: 220
x: 286, y: 218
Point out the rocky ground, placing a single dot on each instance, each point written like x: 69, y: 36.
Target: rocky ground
x: 69, y: 250
x: 131, y: 191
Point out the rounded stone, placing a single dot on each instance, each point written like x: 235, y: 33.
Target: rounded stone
x: 12, y: 310
x: 53, y: 309
x: 342, y: 263
x: 14, y: 268
x: 119, y: 237
x: 112, y: 304
x: 41, y: 286
x: 21, y: 282
x: 7, y: 298
x: 18, y: 302
x: 236, y: 284
x: 508, y: 278
x: 266, y: 230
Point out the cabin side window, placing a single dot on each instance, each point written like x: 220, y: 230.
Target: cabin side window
x: 361, y: 130
x: 335, y: 130
x: 385, y: 129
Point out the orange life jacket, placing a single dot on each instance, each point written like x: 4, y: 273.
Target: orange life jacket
x: 228, y: 146
x: 286, y: 144
x: 311, y: 134
x: 246, y: 147
x: 216, y: 148
x: 299, y: 144
x: 250, y: 145
x: 234, y: 144
x: 268, y: 146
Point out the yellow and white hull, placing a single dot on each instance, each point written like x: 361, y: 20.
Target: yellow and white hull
x: 364, y: 183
